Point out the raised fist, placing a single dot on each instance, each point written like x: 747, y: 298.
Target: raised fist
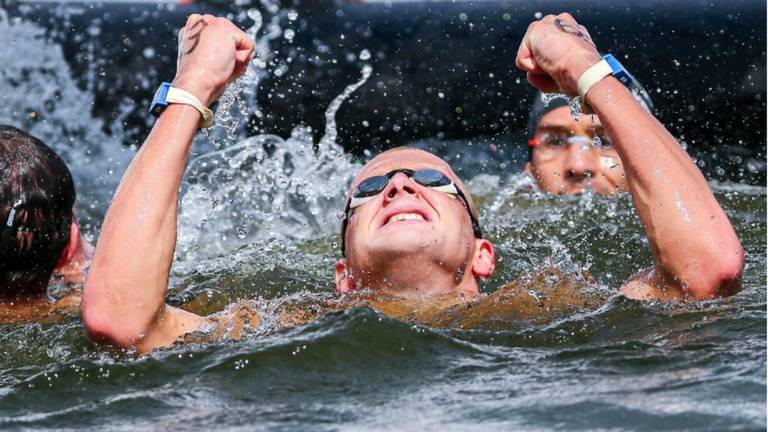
x: 212, y: 53
x: 555, y: 51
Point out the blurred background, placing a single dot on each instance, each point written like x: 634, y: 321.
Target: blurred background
x: 441, y: 69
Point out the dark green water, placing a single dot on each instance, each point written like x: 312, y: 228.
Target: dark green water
x: 625, y: 365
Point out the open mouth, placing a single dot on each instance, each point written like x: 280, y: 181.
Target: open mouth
x: 405, y: 216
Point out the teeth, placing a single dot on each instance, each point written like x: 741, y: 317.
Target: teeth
x: 406, y: 216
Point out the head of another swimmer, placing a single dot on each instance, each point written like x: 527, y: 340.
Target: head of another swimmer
x: 409, y: 228
x: 36, y: 198
x: 569, y: 156
x: 563, y: 158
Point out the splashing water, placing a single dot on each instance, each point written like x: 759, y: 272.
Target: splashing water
x: 239, y: 100
x: 58, y: 114
x: 266, y: 187
x: 547, y: 98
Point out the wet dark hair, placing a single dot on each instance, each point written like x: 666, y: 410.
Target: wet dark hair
x: 36, y: 198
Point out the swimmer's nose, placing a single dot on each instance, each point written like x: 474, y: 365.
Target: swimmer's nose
x: 399, y: 184
x: 581, y: 162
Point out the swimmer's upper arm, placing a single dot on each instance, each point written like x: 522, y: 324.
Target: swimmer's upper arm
x: 652, y: 284
x: 167, y: 325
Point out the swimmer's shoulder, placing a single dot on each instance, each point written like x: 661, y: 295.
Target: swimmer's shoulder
x: 535, y: 297
x: 230, y: 324
x: 43, y: 311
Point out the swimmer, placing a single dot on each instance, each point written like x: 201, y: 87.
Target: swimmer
x: 410, y: 228
x: 39, y: 234
x: 566, y: 156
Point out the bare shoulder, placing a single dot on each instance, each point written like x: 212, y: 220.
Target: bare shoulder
x: 536, y: 297
x: 230, y: 324
x: 42, y: 311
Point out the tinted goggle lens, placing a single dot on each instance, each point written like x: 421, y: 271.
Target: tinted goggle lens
x: 431, y: 178
x: 426, y: 177
x: 371, y: 186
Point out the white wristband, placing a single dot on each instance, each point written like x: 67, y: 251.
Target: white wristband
x: 592, y: 76
x: 177, y: 95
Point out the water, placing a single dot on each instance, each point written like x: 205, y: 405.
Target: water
x: 258, y: 220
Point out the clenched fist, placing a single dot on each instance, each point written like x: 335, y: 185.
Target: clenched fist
x: 212, y: 53
x: 555, y: 51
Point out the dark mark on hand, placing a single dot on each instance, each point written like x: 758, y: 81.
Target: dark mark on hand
x: 195, y: 37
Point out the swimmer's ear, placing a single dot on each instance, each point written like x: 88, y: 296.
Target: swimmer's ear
x: 484, y: 261
x: 71, y: 248
x: 344, y: 281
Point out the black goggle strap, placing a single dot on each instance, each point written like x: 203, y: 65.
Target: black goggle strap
x: 344, y: 228
x: 475, y: 223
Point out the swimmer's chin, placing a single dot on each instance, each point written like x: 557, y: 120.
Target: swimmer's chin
x: 405, y: 245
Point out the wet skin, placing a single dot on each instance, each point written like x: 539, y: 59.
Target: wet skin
x: 410, y: 239
x: 572, y: 168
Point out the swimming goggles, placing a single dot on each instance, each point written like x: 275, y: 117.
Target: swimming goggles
x: 431, y: 178
x: 551, y: 144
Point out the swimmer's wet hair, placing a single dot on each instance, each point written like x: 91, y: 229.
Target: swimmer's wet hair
x: 36, y: 198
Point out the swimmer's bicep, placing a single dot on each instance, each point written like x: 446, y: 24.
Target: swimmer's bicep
x: 170, y: 324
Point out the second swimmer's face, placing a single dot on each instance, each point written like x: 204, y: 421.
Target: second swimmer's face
x: 564, y: 160
x: 406, y: 219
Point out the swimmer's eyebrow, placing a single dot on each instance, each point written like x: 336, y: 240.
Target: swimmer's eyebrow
x: 555, y: 128
x: 598, y: 129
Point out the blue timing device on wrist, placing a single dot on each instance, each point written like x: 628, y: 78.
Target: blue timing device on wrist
x: 160, y: 101
x: 618, y: 70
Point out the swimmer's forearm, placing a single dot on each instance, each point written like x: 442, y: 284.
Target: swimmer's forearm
x: 693, y: 242
x: 124, y: 297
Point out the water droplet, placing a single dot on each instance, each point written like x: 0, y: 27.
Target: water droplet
x: 288, y: 34
x: 242, y: 232
x: 537, y: 15
x: 365, y: 55
x: 293, y: 15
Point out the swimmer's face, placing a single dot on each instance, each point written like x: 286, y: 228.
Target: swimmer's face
x: 565, y: 161
x: 411, y: 226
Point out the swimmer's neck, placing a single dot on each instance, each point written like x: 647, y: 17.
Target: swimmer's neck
x: 24, y: 300
x: 425, y: 286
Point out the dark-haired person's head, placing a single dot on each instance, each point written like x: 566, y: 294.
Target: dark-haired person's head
x: 569, y: 155
x: 37, y: 195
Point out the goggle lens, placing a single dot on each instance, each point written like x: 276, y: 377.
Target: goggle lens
x: 431, y: 178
